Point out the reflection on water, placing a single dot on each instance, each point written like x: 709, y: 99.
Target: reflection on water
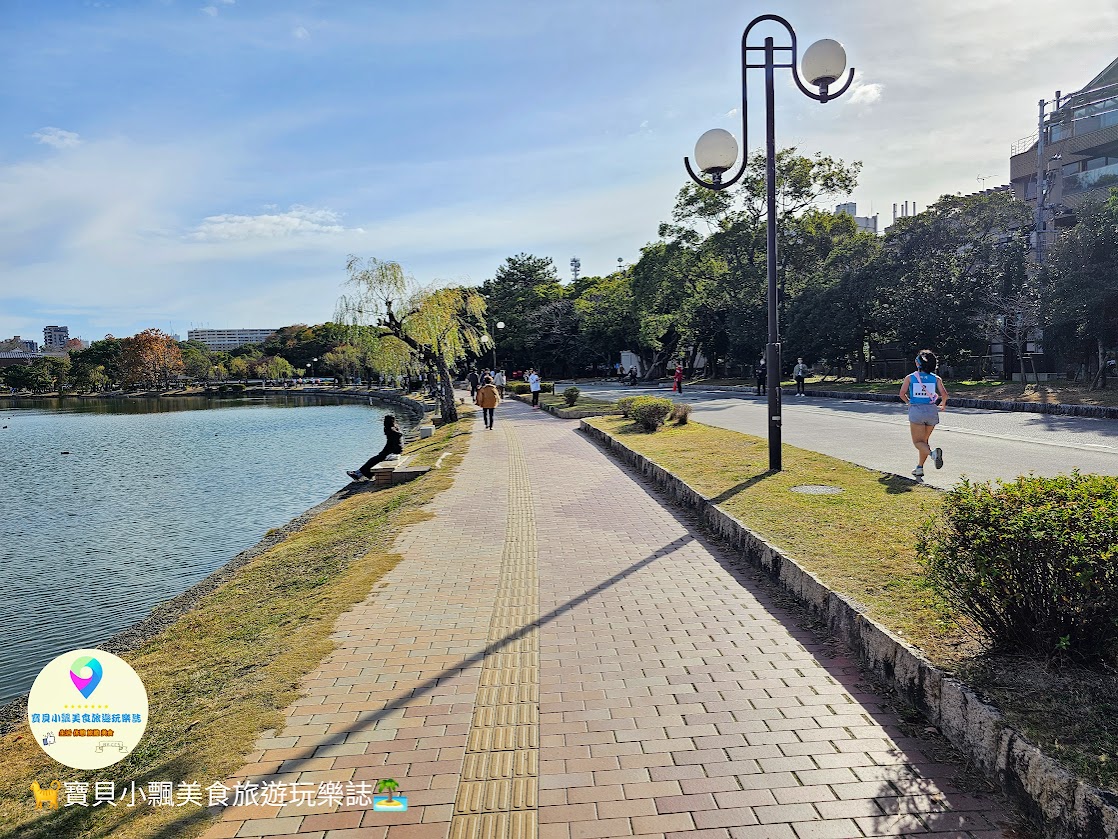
x: 110, y: 506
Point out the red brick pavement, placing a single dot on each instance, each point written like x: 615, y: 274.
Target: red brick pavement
x: 673, y: 698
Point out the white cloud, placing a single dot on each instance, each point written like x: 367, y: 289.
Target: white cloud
x: 57, y: 138
x: 210, y: 10
x: 865, y: 94
x: 301, y: 33
x: 297, y: 221
x: 733, y: 112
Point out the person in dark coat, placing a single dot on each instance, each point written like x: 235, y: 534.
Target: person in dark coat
x: 393, y: 448
x: 473, y: 379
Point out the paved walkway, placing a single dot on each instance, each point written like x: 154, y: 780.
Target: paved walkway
x: 561, y: 656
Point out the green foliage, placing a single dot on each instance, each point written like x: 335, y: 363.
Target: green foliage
x: 650, y: 412
x: 681, y: 412
x: 625, y: 404
x: 1034, y: 563
x: 570, y: 396
x: 547, y: 387
x: 518, y: 387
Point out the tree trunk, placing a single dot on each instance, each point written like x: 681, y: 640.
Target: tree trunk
x: 448, y: 406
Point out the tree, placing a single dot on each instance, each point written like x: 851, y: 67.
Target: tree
x: 197, y: 361
x: 1082, y: 279
x: 440, y: 326
x: 344, y: 361
x: 150, y: 358
x: 104, y: 356
x: 944, y: 264
x: 606, y: 319
x: 521, y: 285
x: 273, y: 367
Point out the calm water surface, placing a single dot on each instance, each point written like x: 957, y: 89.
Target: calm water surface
x: 153, y: 496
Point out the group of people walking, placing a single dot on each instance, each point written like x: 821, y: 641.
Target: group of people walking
x: 487, y: 389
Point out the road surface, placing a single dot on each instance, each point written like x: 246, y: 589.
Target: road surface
x: 982, y: 445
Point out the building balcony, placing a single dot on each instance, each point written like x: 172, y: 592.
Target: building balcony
x: 1104, y: 176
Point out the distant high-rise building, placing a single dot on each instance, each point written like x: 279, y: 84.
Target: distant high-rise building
x: 55, y: 337
x: 228, y: 339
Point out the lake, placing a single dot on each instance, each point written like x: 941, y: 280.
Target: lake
x: 154, y: 495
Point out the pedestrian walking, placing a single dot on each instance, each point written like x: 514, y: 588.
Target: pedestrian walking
x: 677, y: 379
x: 926, y: 398
x: 473, y: 379
x: 799, y: 373
x: 487, y: 399
x: 393, y: 448
x: 534, y: 386
x: 500, y: 381
x: 761, y: 376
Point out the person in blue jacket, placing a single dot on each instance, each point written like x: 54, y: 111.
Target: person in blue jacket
x: 926, y: 397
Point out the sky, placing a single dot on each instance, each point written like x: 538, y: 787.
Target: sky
x: 176, y: 164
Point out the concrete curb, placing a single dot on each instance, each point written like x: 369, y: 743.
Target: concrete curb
x: 1042, y: 788
x: 1059, y: 408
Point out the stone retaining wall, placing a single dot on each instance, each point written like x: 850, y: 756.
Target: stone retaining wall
x: 1067, y: 807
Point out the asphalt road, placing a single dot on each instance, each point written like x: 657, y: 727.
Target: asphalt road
x: 979, y: 444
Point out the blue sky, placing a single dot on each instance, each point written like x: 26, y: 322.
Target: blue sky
x: 168, y: 163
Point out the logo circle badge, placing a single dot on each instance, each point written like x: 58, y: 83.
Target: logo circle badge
x: 88, y: 709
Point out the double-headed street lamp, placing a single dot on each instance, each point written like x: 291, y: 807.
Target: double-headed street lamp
x: 717, y: 151
x: 485, y: 339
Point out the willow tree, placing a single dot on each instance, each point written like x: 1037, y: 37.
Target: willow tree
x: 440, y: 326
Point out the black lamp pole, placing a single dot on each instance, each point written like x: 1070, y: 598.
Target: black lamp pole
x: 769, y: 64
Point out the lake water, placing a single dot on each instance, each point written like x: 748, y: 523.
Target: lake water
x: 154, y: 495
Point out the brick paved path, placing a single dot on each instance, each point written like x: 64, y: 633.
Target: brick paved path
x: 561, y: 656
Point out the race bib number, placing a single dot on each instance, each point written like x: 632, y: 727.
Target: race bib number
x: 924, y: 391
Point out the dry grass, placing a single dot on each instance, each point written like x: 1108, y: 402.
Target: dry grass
x: 224, y: 672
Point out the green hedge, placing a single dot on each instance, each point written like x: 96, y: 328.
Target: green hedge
x: 1034, y: 563
x: 570, y: 396
x: 524, y: 387
x: 650, y: 412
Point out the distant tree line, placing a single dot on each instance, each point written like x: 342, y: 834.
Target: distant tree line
x: 954, y: 278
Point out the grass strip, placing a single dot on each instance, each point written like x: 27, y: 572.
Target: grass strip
x: 861, y: 544
x: 224, y: 672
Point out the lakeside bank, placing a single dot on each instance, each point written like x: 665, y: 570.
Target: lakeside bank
x: 222, y: 661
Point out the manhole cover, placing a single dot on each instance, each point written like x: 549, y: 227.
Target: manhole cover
x: 817, y: 489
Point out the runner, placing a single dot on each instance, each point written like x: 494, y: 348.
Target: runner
x: 926, y: 397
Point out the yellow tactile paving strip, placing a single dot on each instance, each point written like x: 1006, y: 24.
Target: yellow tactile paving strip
x: 498, y: 794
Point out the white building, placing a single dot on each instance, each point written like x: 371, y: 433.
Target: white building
x: 55, y: 337
x: 866, y: 223
x: 228, y: 339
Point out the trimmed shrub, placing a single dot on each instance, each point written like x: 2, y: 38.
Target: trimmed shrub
x: 518, y: 387
x: 681, y: 412
x: 570, y: 396
x: 547, y: 387
x: 650, y: 412
x: 624, y: 404
x: 1034, y: 563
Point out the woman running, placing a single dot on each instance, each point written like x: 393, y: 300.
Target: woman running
x: 926, y: 397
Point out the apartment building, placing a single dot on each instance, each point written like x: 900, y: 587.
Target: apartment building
x: 1072, y: 156
x: 228, y: 339
x: 55, y: 337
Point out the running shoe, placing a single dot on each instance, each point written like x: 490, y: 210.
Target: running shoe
x: 354, y: 474
x: 918, y: 471
x: 937, y: 456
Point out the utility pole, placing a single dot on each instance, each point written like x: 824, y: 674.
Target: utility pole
x: 576, y: 265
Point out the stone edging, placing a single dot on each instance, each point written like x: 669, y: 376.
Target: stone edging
x: 566, y: 413
x: 1068, y: 807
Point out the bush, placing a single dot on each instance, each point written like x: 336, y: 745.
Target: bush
x: 547, y: 387
x: 570, y: 395
x: 650, y: 412
x: 518, y: 387
x: 1034, y: 563
x: 625, y: 404
x: 681, y: 412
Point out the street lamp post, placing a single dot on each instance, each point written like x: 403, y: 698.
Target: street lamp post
x: 716, y: 152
